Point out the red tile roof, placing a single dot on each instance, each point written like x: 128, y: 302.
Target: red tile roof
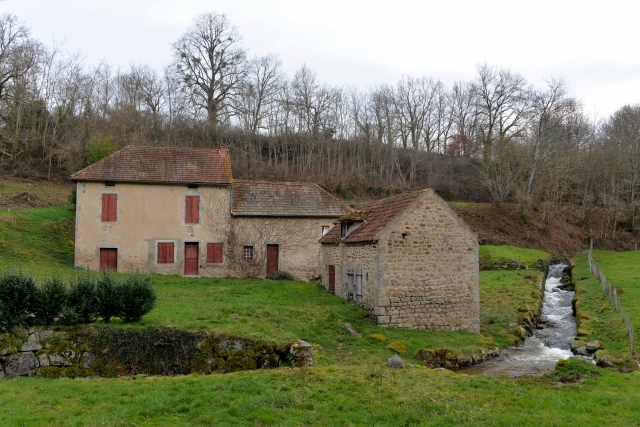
x: 381, y: 213
x: 162, y: 165
x: 294, y: 199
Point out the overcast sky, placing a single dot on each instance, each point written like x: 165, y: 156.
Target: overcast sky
x: 593, y: 45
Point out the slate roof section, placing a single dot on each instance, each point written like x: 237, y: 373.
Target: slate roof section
x: 284, y: 199
x: 161, y: 165
x: 381, y: 213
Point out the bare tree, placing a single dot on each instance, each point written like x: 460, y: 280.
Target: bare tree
x: 552, y: 109
x: 211, y: 63
x: 502, y: 102
x: 18, y: 53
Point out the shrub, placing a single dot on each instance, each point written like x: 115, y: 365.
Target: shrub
x: 137, y: 297
x: 107, y: 295
x: 281, y: 275
x: 81, y: 301
x: 98, y: 149
x: 52, y: 299
x: 18, y: 300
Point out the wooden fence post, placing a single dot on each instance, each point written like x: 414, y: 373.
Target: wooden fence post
x: 615, y: 299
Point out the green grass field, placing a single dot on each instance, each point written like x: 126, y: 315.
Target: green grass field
x: 350, y: 384
x: 596, y: 314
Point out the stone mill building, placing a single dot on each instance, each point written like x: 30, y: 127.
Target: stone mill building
x: 409, y: 260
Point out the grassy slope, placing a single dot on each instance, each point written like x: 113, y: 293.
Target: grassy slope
x: 41, y: 239
x: 359, y: 395
x: 16, y: 195
x: 623, y: 270
x: 350, y: 386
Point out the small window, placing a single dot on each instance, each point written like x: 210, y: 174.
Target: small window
x: 343, y: 229
x: 214, y: 253
x: 165, y: 253
x: 247, y: 252
x: 192, y: 186
x: 325, y: 229
x: 109, y: 184
x: 192, y: 209
x: 109, y: 207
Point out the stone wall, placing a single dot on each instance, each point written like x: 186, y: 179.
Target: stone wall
x: 146, y: 215
x: 429, y: 277
x: 360, y: 257
x: 151, y: 214
x: 84, y: 352
x: 297, y: 240
x: 421, y: 272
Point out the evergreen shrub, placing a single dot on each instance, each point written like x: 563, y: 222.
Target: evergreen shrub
x: 137, y: 297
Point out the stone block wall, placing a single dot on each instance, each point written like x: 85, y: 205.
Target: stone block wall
x: 421, y: 272
x: 76, y: 353
x: 429, y: 276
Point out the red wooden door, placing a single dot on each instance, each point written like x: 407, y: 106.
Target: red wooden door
x: 272, y: 259
x: 108, y: 259
x: 332, y: 278
x: 191, y: 259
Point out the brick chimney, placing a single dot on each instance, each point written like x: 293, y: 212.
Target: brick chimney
x: 223, y: 151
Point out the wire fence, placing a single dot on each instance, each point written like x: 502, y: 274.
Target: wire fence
x: 612, y: 293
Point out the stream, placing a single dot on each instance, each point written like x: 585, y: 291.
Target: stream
x: 550, y: 342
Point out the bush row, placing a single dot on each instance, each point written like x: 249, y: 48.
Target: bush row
x: 82, y: 299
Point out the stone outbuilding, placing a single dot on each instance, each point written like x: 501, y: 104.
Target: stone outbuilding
x: 409, y: 260
x: 170, y: 210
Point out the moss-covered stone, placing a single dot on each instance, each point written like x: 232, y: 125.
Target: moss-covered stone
x: 520, y: 332
x: 379, y: 338
x: 49, y: 372
x: 563, y: 362
x: 582, y: 332
x: 240, y: 363
x: 398, y: 346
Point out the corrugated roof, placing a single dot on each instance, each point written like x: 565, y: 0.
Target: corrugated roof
x: 381, y: 213
x: 161, y: 164
x: 296, y: 199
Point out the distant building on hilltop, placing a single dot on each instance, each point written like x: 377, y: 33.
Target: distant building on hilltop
x: 178, y: 211
x: 409, y: 260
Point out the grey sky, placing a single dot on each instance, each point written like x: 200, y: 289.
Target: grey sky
x: 364, y: 43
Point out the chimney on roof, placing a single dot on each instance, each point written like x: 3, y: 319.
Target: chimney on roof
x: 223, y: 151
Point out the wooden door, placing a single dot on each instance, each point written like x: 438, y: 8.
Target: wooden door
x: 108, y: 259
x: 191, y: 259
x: 332, y: 278
x: 272, y: 259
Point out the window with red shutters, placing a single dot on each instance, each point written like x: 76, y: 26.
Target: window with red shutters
x: 192, y: 209
x: 109, y: 207
x: 165, y: 253
x: 214, y: 253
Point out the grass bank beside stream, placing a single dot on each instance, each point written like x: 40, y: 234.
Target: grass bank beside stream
x: 596, y: 316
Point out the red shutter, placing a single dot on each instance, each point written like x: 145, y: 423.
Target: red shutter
x: 165, y: 253
x: 113, y: 207
x: 192, y: 209
x: 169, y: 253
x: 109, y: 207
x: 161, y: 254
x: 105, y: 208
x: 214, y: 253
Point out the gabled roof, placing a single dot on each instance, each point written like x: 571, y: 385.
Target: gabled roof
x: 161, y: 165
x: 380, y: 212
x: 291, y: 199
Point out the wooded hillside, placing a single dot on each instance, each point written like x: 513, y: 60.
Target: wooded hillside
x: 495, y: 138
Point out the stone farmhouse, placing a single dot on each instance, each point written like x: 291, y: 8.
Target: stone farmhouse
x: 409, y: 260
x: 178, y: 211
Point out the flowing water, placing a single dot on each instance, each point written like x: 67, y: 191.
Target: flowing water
x: 550, y: 343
